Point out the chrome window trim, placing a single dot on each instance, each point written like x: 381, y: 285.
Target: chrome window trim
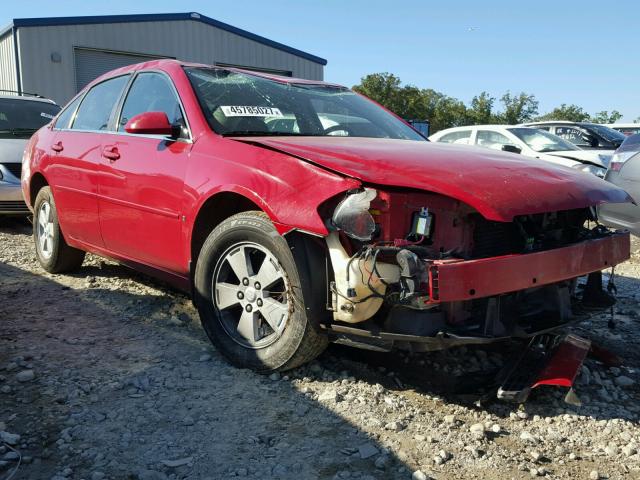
x: 118, y: 110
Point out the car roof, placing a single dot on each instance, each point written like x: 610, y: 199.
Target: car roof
x: 622, y: 125
x: 487, y: 127
x: 168, y: 64
x: 558, y: 122
x: 28, y: 98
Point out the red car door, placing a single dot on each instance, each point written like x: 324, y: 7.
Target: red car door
x: 142, y: 180
x: 77, y: 147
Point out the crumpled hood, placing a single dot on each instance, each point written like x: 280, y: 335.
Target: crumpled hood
x: 596, y: 157
x: 11, y: 149
x: 498, y: 185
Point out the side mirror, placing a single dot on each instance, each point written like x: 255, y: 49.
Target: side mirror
x: 590, y: 140
x: 150, y: 123
x: 511, y: 148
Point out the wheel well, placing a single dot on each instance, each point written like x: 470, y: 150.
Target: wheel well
x: 37, y: 182
x: 214, y: 211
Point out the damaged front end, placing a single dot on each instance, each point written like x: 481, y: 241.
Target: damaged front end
x: 421, y: 271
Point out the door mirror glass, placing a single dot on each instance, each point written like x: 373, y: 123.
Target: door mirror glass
x: 591, y: 140
x: 150, y: 123
x: 511, y: 148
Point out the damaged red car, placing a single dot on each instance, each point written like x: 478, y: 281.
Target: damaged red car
x: 298, y: 212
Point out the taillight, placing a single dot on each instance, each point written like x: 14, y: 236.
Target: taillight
x: 619, y: 159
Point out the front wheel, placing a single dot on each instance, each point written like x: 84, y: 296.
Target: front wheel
x: 52, y: 250
x: 249, y: 296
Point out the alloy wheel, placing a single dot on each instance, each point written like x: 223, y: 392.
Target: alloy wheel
x: 252, y: 295
x: 45, y: 230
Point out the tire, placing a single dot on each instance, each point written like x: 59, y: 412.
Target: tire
x: 52, y: 250
x: 266, y: 327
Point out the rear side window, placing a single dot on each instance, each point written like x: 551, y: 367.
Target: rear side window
x: 461, y: 137
x: 96, y: 107
x: 575, y: 136
x: 152, y: 92
x: 66, y: 117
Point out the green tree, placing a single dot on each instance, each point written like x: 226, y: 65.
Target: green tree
x: 606, y: 117
x: 571, y: 113
x: 384, y: 88
x: 518, y: 108
x: 637, y: 120
x: 481, y: 110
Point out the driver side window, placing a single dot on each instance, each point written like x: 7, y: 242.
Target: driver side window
x: 152, y: 92
x: 489, y: 139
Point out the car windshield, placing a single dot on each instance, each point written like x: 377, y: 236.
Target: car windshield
x: 609, y: 134
x: 20, y: 117
x: 237, y: 103
x: 542, y: 141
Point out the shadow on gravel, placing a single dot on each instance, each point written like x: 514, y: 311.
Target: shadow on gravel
x: 120, y: 390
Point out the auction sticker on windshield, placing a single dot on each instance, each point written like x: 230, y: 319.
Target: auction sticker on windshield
x: 249, y: 111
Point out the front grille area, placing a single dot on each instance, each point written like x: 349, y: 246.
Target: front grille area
x: 14, y: 168
x: 527, y: 233
x: 492, y: 239
x: 12, y: 206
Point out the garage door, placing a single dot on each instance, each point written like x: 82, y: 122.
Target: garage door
x: 91, y: 63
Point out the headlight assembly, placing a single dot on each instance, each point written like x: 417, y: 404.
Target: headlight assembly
x: 352, y: 215
x: 595, y: 170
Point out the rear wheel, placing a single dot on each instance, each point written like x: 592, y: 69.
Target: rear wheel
x: 52, y: 250
x: 249, y: 296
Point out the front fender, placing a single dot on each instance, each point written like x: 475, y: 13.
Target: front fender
x: 287, y: 189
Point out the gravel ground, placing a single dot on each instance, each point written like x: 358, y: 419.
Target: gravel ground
x: 107, y: 374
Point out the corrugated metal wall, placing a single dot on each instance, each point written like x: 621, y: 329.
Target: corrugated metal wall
x: 8, y: 79
x: 186, y: 40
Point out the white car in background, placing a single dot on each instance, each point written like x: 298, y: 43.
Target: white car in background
x: 530, y: 142
x: 20, y: 117
x: 627, y: 129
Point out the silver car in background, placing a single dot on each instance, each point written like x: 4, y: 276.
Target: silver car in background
x: 20, y: 117
x: 624, y: 171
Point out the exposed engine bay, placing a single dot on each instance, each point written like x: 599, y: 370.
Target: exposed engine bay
x: 425, y: 272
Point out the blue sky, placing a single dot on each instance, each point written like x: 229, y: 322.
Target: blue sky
x: 583, y: 51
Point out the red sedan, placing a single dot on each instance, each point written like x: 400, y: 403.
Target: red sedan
x: 298, y: 212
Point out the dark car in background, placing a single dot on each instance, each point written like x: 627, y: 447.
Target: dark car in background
x: 20, y: 117
x: 583, y: 134
x: 624, y: 171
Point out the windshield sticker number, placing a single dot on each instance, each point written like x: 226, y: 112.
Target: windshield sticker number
x: 248, y: 111
x: 47, y: 115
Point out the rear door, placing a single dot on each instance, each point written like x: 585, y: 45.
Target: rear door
x: 77, y: 146
x: 141, y: 191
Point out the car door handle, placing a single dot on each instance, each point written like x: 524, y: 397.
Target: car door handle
x: 57, y: 147
x: 111, y: 153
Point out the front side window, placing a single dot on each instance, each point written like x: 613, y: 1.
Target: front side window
x: 541, y: 141
x: 95, y: 109
x: 460, y: 137
x: 21, y: 117
x: 236, y: 103
x: 609, y: 134
x: 490, y: 139
x: 152, y: 92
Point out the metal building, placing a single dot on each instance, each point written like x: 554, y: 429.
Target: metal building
x: 56, y: 57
